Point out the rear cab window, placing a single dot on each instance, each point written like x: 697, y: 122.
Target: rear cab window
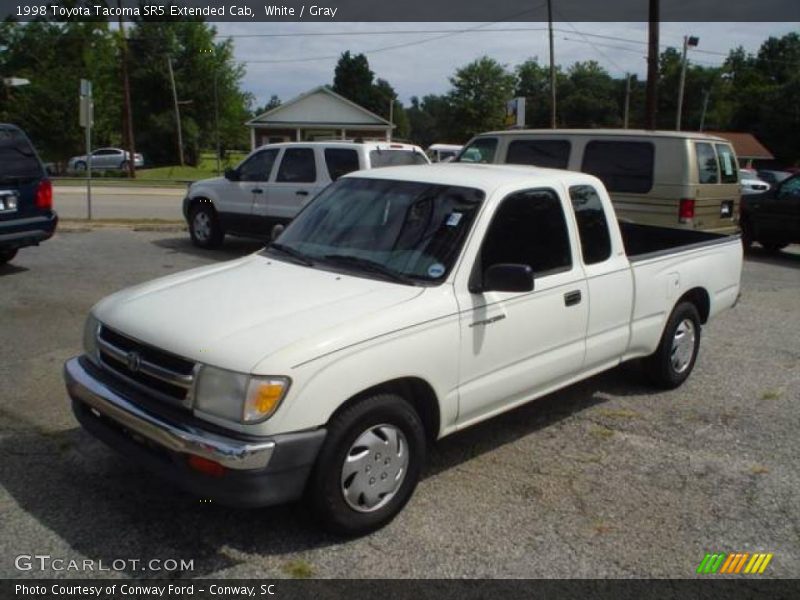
x: 340, y: 161
x: 297, y: 166
x: 395, y: 158
x: 18, y: 160
x: 481, y: 150
x: 553, y: 154
x: 625, y: 167
x: 592, y: 224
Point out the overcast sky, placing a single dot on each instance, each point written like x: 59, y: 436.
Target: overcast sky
x: 421, y: 63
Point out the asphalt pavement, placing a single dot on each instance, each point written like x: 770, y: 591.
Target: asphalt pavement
x: 608, y: 478
x: 112, y: 202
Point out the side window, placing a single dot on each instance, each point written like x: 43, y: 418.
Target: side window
x: 790, y: 188
x: 482, y: 150
x: 727, y: 164
x: 340, y: 161
x: 528, y: 228
x: 259, y: 166
x: 621, y: 166
x: 707, y: 166
x: 553, y: 154
x: 298, y: 166
x: 592, y: 224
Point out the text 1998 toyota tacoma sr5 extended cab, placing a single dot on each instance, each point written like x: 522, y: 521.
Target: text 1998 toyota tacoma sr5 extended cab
x: 400, y: 306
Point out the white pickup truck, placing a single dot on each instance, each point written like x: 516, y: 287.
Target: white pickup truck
x: 400, y: 306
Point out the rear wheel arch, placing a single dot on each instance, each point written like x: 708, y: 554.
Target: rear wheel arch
x: 701, y: 300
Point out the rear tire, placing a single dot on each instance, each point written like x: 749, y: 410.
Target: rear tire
x: 204, y: 227
x: 368, y: 466
x: 672, y: 363
x: 80, y: 166
x: 7, y: 255
x: 773, y: 247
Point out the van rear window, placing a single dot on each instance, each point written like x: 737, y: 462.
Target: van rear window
x: 553, y: 154
x: 622, y: 166
x: 17, y: 157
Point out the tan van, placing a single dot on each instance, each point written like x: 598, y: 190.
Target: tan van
x: 667, y: 178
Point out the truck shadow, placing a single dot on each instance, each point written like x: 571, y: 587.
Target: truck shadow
x: 105, y: 508
x: 232, y: 248
x: 9, y: 269
x: 784, y: 258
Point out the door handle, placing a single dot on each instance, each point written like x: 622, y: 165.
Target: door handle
x: 572, y: 298
x: 258, y: 191
x: 301, y: 193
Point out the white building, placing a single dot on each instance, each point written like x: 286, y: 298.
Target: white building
x: 318, y: 114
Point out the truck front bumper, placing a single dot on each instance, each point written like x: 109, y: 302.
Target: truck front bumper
x: 255, y: 471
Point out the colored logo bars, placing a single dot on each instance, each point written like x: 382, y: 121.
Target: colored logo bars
x: 734, y: 562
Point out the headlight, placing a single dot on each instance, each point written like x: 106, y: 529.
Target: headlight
x: 90, y: 330
x: 238, y: 397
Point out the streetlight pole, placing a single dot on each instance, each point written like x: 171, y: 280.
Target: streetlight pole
x: 687, y: 42
x: 627, y: 101
x: 177, y: 110
x: 216, y: 119
x: 706, y: 94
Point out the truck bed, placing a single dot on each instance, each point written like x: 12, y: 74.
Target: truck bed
x: 649, y: 241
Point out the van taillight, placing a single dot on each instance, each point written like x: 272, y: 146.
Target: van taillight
x: 44, y: 195
x: 686, y: 210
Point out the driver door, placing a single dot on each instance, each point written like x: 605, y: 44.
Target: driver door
x: 243, y: 195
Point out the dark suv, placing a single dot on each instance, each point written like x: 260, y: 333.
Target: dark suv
x: 26, y: 195
x: 772, y: 218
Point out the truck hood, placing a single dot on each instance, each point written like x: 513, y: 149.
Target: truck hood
x: 235, y: 314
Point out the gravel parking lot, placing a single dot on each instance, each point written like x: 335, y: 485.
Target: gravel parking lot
x: 605, y: 479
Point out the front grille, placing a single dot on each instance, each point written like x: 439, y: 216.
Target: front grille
x: 158, y: 373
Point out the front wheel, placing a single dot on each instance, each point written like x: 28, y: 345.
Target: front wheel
x: 773, y: 247
x: 670, y: 365
x: 369, y: 465
x: 7, y: 255
x: 204, y: 227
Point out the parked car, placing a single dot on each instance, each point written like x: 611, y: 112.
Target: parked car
x: 443, y: 152
x: 751, y: 183
x: 667, y: 178
x: 275, y: 181
x: 105, y: 159
x: 772, y: 218
x: 26, y: 195
x: 402, y: 305
x: 772, y: 177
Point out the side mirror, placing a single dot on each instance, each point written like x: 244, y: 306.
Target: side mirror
x: 276, y: 231
x: 231, y: 174
x: 508, y: 277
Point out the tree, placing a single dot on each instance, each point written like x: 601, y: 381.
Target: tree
x: 353, y: 78
x: 478, y: 97
x: 274, y: 102
x: 588, y: 97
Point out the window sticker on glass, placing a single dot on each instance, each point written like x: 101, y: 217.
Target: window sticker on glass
x: 454, y: 219
x: 436, y: 270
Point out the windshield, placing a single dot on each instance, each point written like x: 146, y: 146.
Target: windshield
x: 17, y: 158
x: 404, y: 231
x: 396, y: 158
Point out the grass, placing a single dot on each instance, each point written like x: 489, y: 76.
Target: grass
x: 771, y: 395
x: 618, y: 413
x: 298, y: 569
x: 174, y: 175
x: 601, y: 432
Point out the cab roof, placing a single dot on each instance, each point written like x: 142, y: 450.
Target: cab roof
x: 608, y: 133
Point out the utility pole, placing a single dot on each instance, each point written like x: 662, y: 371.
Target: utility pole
x: 130, y: 145
x: 216, y: 119
x: 177, y: 110
x: 552, y: 65
x: 706, y: 94
x: 651, y: 105
x: 687, y: 41
x: 627, y: 101
x: 391, y: 117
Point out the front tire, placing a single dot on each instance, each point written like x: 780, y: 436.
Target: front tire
x: 369, y: 465
x: 773, y: 247
x: 7, y: 255
x: 204, y: 227
x: 672, y: 363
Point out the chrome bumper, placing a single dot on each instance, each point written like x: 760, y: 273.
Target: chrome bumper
x: 231, y: 453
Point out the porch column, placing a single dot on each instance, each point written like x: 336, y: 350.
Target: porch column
x: 297, y: 135
x: 252, y: 138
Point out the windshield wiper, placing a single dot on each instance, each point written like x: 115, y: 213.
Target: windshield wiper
x: 370, y: 265
x: 289, y: 251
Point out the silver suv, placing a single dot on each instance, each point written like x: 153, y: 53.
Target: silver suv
x: 275, y: 181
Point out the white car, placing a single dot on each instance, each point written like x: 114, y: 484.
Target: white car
x: 751, y: 183
x: 275, y: 181
x: 402, y: 305
x: 105, y: 159
x: 443, y: 152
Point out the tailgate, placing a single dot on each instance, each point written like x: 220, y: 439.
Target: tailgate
x: 21, y: 172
